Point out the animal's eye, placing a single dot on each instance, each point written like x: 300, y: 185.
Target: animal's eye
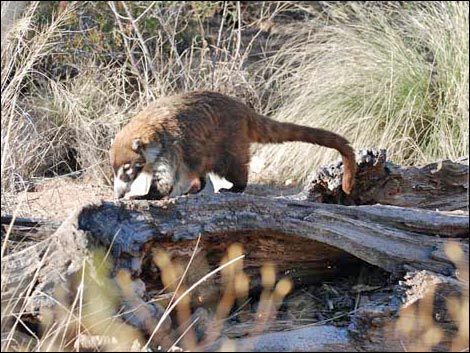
x: 126, y: 166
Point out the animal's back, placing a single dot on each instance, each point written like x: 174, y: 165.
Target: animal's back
x: 210, y: 128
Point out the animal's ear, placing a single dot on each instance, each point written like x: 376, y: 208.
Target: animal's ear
x: 136, y: 145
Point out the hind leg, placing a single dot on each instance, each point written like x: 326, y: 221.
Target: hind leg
x: 237, y: 174
x: 196, y: 186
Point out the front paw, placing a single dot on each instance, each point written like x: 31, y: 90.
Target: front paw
x: 162, y: 185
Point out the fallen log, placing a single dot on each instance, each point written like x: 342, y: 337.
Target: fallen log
x: 303, y: 239
x: 306, y: 241
x: 442, y: 185
x: 392, y: 238
x: 395, y: 239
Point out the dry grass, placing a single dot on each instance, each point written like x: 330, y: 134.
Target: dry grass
x: 393, y: 77
x: 383, y: 76
x: 93, y: 319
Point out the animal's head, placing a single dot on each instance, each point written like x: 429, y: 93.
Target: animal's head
x: 132, y: 159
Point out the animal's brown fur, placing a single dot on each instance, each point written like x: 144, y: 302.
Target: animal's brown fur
x: 201, y: 132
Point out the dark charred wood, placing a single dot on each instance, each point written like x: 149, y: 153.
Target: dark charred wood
x: 30, y: 222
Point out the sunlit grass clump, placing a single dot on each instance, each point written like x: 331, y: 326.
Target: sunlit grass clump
x: 393, y: 77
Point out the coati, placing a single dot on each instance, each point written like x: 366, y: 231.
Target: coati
x: 169, y: 147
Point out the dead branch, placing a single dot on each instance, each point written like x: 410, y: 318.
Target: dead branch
x: 442, y: 185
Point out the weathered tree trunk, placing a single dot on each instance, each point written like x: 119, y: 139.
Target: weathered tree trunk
x: 310, y: 240
x: 402, y: 325
x: 307, y: 241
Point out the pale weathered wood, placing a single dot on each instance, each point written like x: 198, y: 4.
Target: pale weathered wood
x: 307, y: 241
x: 27, y: 230
x: 31, y: 222
x: 307, y: 339
x: 312, y: 235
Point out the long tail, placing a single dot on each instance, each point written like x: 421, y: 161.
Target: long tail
x: 265, y: 130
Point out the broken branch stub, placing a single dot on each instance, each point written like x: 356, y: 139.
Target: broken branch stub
x: 442, y: 185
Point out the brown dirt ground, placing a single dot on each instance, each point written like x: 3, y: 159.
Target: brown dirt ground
x: 57, y: 198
